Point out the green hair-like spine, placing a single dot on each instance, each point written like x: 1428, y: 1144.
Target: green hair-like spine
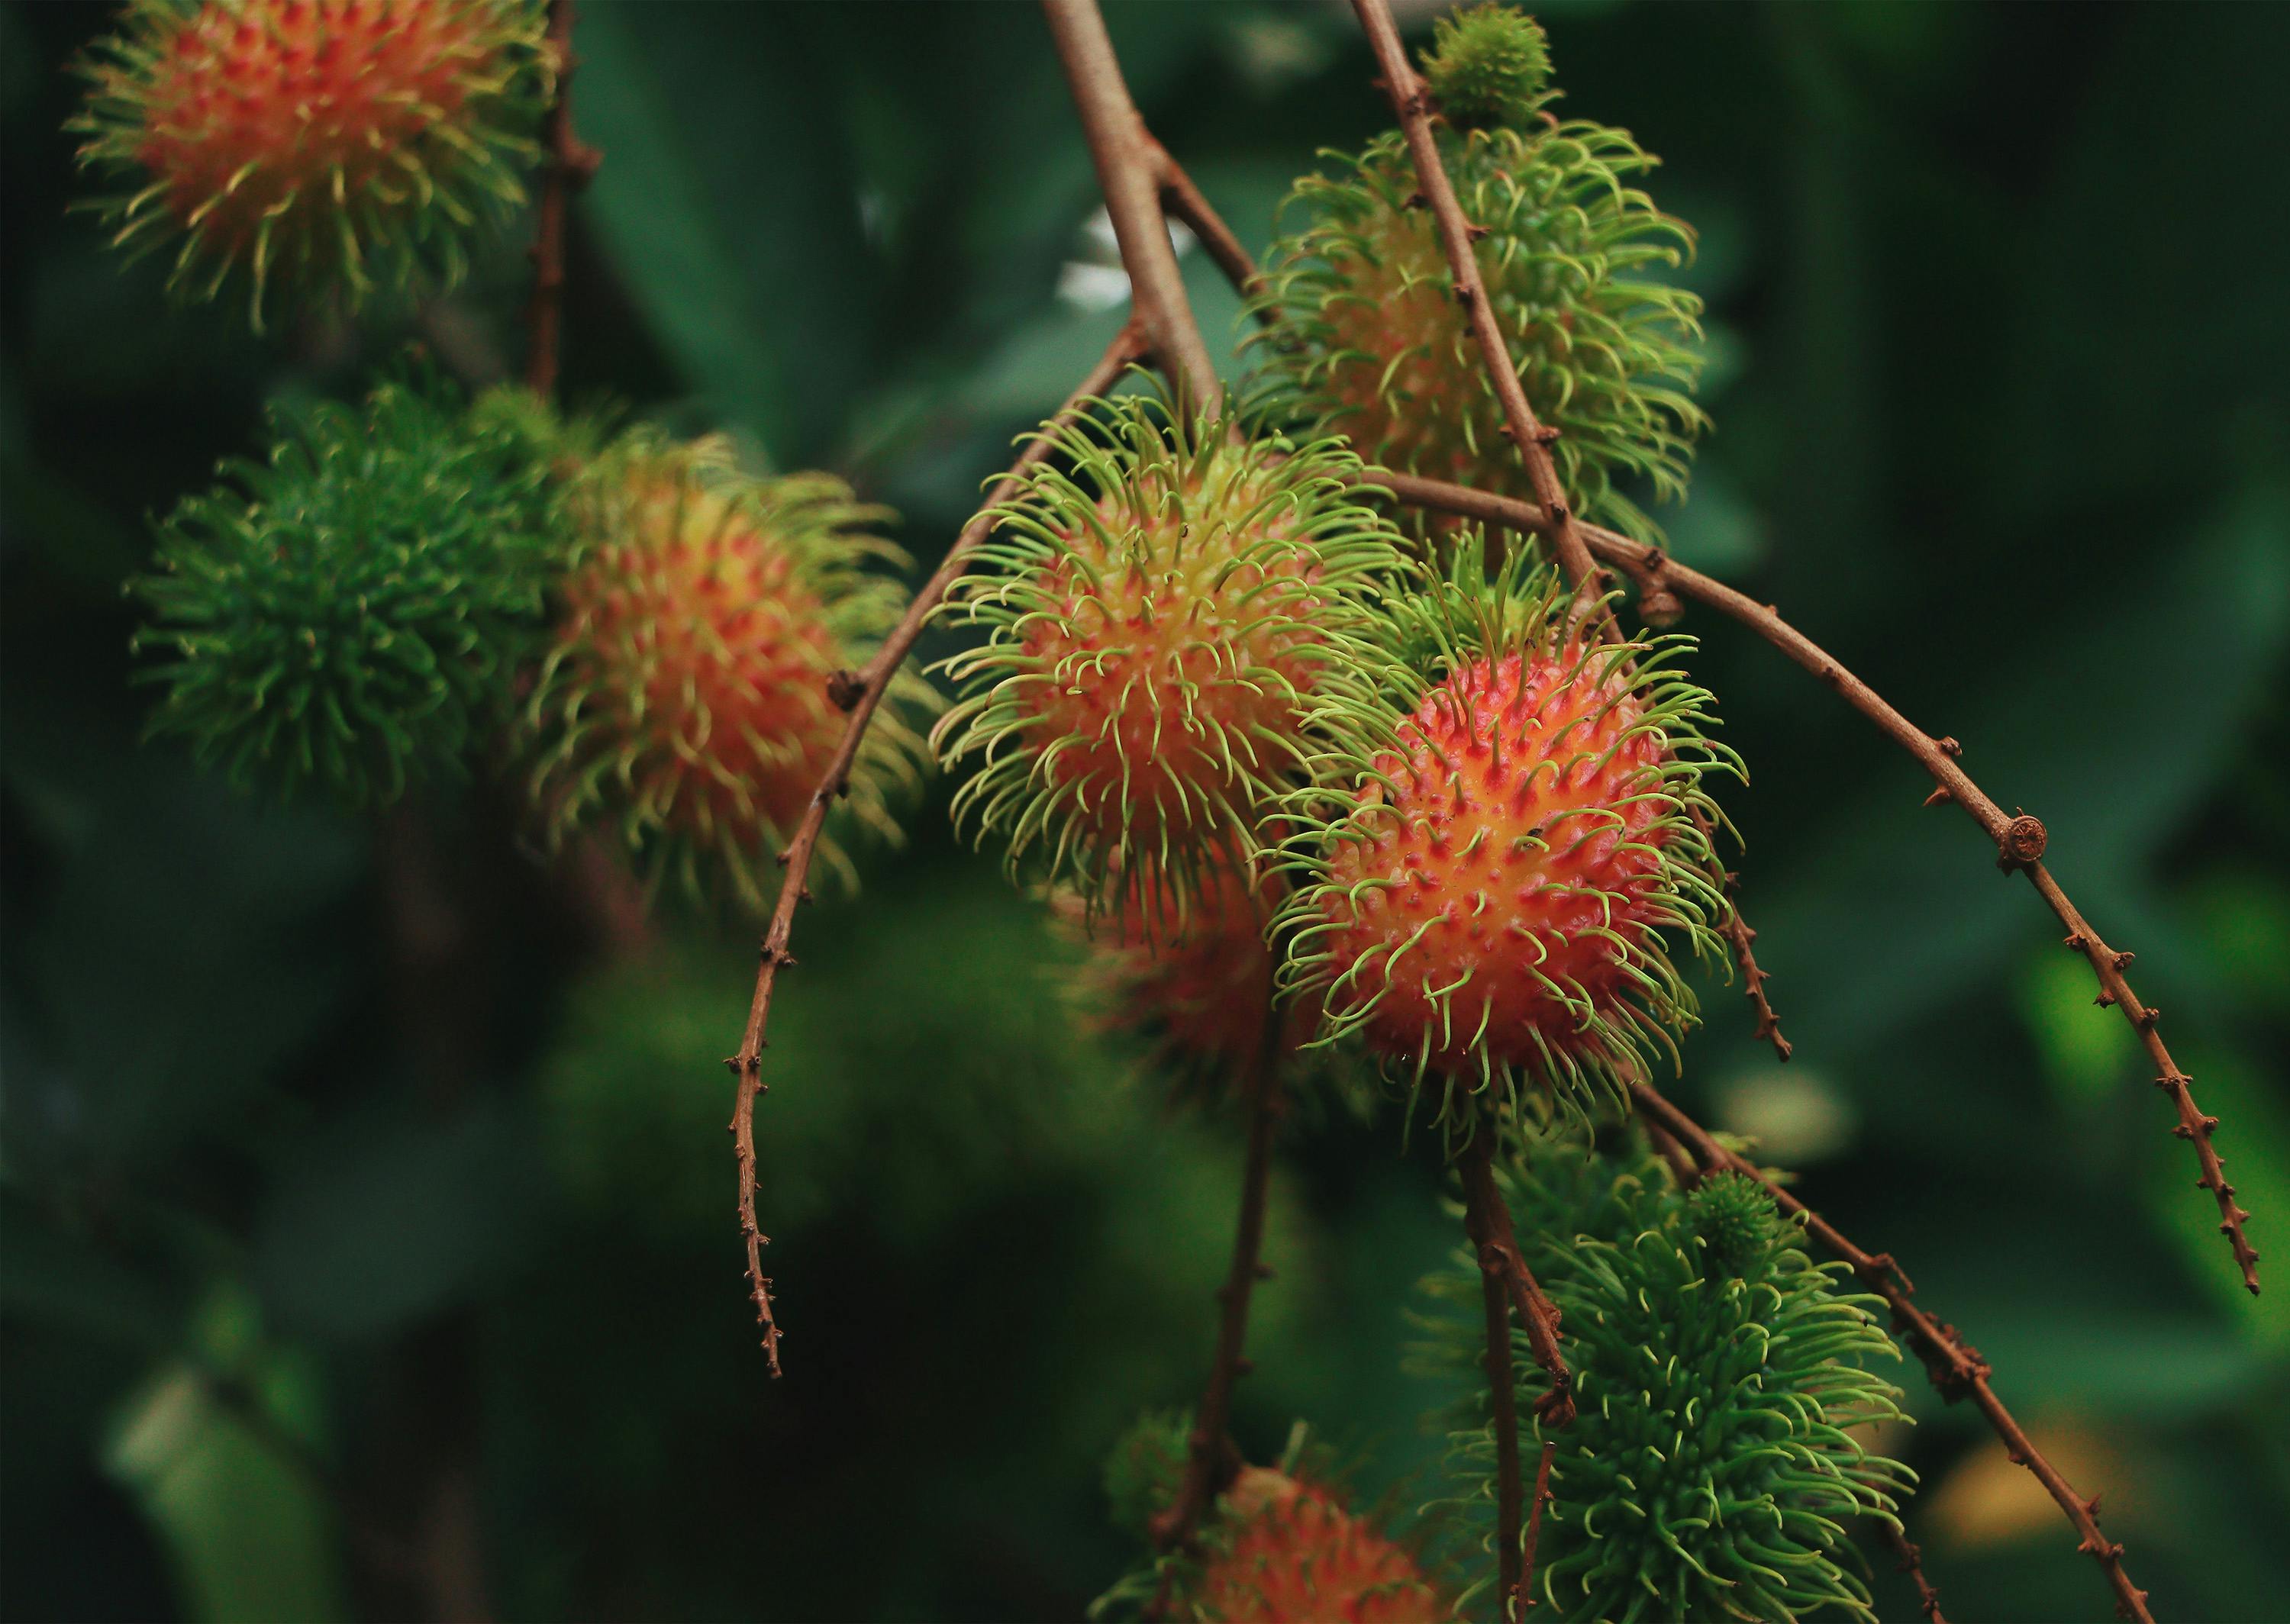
x: 348, y: 612
x: 1475, y: 610
x: 590, y: 727
x: 1488, y: 65
x: 1115, y: 540
x: 1369, y: 342
x: 1712, y: 1468
x: 403, y: 228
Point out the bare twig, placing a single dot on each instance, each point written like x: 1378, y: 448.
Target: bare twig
x: 2020, y: 838
x: 1132, y: 170
x: 1534, y: 1525
x: 571, y: 164
x: 1502, y: 1403
x: 861, y: 694
x: 1954, y: 1366
x: 1211, y: 1460
x: 1912, y: 1564
x: 1487, y: 1218
x: 1182, y: 200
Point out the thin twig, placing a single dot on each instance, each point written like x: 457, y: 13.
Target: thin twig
x: 1211, y: 1460
x: 2020, y: 838
x: 860, y: 694
x: 1487, y: 1218
x: 1182, y: 200
x: 1954, y: 1366
x: 1912, y: 1564
x: 1534, y: 1524
x: 571, y: 166
x: 1502, y: 1403
x: 1132, y: 168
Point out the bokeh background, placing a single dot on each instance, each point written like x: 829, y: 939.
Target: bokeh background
x: 365, y: 1219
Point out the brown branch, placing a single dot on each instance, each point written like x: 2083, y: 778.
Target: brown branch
x: 1502, y: 1402
x: 1132, y: 171
x: 1487, y: 1218
x: 1954, y: 1366
x: 1211, y: 1460
x: 571, y: 164
x: 1534, y: 1524
x: 1912, y: 1564
x: 861, y: 694
x: 2019, y: 839
x: 1181, y: 199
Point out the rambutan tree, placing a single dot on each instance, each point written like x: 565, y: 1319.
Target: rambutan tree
x: 1334, y: 703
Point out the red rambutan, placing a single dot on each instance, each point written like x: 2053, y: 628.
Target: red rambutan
x: 1487, y: 900
x: 684, y: 693
x: 350, y: 138
x: 1288, y: 1551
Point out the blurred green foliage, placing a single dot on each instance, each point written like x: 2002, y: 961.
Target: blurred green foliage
x: 365, y: 1225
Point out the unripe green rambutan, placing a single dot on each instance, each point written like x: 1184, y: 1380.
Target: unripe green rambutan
x: 350, y: 610
x: 348, y: 141
x: 1482, y: 886
x: 1371, y: 344
x: 684, y: 694
x: 1713, y: 1463
x: 1488, y: 65
x: 1734, y: 1215
x: 1164, y: 616
x: 1146, y: 1468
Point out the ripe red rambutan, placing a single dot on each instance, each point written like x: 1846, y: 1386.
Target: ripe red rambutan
x: 1163, y: 623
x: 1486, y: 900
x: 350, y: 138
x: 685, y: 692
x: 1288, y: 1551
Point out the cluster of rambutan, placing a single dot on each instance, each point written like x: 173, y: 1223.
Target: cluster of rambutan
x: 649, y: 631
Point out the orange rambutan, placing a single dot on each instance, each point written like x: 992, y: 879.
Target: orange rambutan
x: 1289, y: 1551
x: 684, y: 693
x: 1486, y: 899
x: 1164, y: 616
x: 356, y: 139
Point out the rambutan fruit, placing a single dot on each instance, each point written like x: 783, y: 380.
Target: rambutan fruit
x: 1481, y: 889
x: 1369, y: 343
x: 683, y: 692
x: 1164, y: 615
x: 349, y: 611
x: 1488, y: 66
x: 349, y: 143
x: 1195, y: 978
x: 1717, y: 1455
x: 1286, y: 1551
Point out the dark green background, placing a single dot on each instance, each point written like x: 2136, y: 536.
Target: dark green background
x: 302, y: 1237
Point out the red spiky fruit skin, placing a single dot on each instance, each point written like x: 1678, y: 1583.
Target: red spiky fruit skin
x: 1452, y: 855
x: 1200, y: 977
x: 1169, y: 615
x: 1297, y: 1557
x: 705, y: 659
x: 292, y: 91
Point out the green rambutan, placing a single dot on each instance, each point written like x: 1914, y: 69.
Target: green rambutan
x: 1488, y: 66
x: 683, y: 695
x: 350, y: 610
x: 1500, y: 837
x: 1713, y: 1463
x: 356, y: 142
x: 1163, y: 617
x: 1369, y: 343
